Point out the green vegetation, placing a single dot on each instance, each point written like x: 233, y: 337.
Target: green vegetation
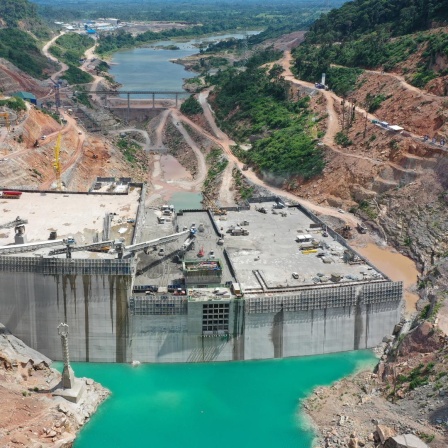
x: 256, y: 103
x: 129, y: 149
x: 374, y: 101
x: 371, y: 212
x: 277, y: 16
x: 218, y: 163
x: 417, y: 377
x: 359, y: 17
x: 359, y: 35
x: 103, y: 66
x: 70, y: 48
x: 191, y: 106
x: 244, y: 190
x: 74, y: 75
x: 428, y: 438
x: 23, y: 14
x: 21, y: 49
x: 14, y: 103
x: 83, y: 98
x: 343, y: 80
x: 342, y: 139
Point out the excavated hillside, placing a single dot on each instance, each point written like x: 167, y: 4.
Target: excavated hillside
x: 395, y: 181
x: 13, y: 80
x: 83, y: 157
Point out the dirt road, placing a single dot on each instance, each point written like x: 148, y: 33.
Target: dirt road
x: 252, y: 177
x: 45, y: 51
x: 202, y: 168
x: 225, y: 192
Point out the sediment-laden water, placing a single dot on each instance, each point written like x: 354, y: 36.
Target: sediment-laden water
x: 241, y: 404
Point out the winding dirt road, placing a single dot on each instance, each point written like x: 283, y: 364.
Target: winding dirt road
x: 45, y: 51
x: 252, y: 177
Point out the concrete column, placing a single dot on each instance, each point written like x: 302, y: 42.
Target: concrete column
x: 176, y: 99
x: 129, y: 108
x: 153, y: 101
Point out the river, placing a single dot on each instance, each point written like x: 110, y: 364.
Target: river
x: 397, y: 267
x: 150, y: 68
x: 253, y: 403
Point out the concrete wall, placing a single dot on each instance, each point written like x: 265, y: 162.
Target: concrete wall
x: 35, y: 298
x: 302, y: 333
x: 94, y: 306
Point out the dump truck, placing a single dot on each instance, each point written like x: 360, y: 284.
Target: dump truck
x: 10, y: 194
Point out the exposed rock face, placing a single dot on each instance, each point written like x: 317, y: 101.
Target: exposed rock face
x: 423, y: 339
x: 405, y: 441
x: 29, y: 415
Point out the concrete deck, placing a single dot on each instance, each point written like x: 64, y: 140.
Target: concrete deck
x: 79, y: 215
x: 271, y: 248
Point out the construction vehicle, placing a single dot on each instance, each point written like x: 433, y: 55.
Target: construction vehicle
x: 361, y: 228
x: 57, y: 163
x: 10, y: 194
x: 94, y: 156
x: 345, y: 232
x: 309, y: 251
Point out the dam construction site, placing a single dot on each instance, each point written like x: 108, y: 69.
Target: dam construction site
x: 267, y: 279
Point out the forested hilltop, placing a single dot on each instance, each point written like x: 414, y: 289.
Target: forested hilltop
x: 378, y: 34
x: 20, y: 31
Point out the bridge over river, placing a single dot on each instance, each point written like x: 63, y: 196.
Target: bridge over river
x: 140, y: 102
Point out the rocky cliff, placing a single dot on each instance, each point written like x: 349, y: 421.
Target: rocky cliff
x: 29, y: 415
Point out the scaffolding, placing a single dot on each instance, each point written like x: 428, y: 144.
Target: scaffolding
x: 63, y: 266
x: 382, y: 292
x: 154, y: 306
x: 318, y: 299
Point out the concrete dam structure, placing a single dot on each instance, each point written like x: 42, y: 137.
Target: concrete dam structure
x: 159, y: 286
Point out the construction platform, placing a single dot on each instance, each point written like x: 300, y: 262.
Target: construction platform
x: 280, y: 250
x: 85, y: 217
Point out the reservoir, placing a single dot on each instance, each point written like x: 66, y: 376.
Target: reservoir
x: 252, y: 403
x: 150, y: 68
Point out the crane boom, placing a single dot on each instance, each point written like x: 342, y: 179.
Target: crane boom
x: 57, y: 162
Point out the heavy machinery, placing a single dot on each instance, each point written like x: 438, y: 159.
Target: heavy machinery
x: 57, y: 96
x: 57, y: 163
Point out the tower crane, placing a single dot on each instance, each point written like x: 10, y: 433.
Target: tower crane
x: 57, y: 162
x: 57, y: 96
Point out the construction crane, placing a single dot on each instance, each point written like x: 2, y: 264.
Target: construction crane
x: 5, y: 115
x: 57, y: 163
x: 57, y: 97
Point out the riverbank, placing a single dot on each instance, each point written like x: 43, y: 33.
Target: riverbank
x: 29, y: 414
x: 352, y: 412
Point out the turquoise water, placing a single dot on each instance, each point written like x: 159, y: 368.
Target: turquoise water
x: 186, y: 200
x: 150, y: 68
x: 240, y: 404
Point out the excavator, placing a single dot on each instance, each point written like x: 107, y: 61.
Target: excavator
x: 94, y: 156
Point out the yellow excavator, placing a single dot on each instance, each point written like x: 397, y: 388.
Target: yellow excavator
x: 57, y: 162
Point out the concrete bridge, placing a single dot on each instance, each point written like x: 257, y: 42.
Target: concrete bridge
x: 161, y: 94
